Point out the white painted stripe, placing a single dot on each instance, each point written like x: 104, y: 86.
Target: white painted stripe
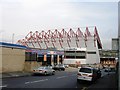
x: 3, y: 86
x: 84, y: 88
x: 36, y: 81
x: 61, y: 77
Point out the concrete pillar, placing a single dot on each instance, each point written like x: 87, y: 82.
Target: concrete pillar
x: 45, y: 57
x: 58, y: 59
x: 52, y: 59
x: 62, y: 59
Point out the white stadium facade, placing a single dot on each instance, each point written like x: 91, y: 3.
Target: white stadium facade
x: 80, y: 45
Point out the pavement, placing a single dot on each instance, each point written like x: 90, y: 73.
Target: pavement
x: 15, y: 74
x: 23, y: 73
x: 107, y: 82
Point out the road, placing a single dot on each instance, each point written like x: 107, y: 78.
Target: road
x: 62, y: 79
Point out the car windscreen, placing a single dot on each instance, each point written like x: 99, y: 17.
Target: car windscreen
x: 61, y: 65
x: 85, y: 70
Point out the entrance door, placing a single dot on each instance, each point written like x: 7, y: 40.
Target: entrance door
x: 48, y: 59
x: 60, y: 59
x: 55, y: 59
x: 41, y: 59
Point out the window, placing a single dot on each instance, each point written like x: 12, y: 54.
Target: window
x: 72, y: 57
x: 91, y: 52
x: 40, y: 58
x: 80, y: 54
x: 85, y: 70
x: 75, y: 54
x: 70, y: 53
x: 29, y: 56
x: 80, y: 57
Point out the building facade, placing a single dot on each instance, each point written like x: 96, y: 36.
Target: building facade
x: 108, y: 58
x: 81, y: 56
x: 115, y: 44
x: 16, y: 58
x: 13, y: 57
x: 67, y: 40
x: 35, y: 58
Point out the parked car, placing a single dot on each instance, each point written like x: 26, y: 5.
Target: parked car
x: 87, y: 74
x: 43, y: 70
x: 66, y: 66
x: 99, y: 73
x: 51, y: 66
x: 59, y: 67
x: 107, y: 70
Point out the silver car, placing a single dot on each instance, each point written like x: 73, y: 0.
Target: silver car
x: 66, y: 66
x: 45, y: 70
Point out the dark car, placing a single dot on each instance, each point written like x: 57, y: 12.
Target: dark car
x: 99, y: 73
x: 59, y: 67
x: 107, y: 70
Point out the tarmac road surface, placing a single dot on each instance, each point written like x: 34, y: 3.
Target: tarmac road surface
x: 62, y: 79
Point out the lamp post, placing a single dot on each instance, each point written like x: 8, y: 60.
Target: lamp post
x: 119, y: 43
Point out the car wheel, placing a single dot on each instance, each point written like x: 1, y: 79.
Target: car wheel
x: 99, y: 76
x: 53, y: 73
x: 92, y: 80
x: 45, y: 73
x: 33, y: 74
x: 78, y: 81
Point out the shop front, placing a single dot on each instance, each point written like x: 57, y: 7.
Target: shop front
x: 50, y: 57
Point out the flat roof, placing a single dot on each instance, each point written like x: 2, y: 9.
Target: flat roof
x: 10, y: 45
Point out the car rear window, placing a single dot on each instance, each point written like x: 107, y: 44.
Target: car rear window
x: 85, y: 70
x: 41, y: 67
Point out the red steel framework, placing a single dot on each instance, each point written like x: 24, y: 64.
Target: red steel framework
x: 59, y: 39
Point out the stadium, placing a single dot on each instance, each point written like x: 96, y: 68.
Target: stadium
x: 80, y: 45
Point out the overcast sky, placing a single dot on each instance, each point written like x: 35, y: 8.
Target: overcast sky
x: 22, y: 16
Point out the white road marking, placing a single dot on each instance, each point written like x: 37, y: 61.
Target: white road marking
x: 84, y: 88
x: 61, y: 77
x: 47, y: 79
x: 3, y: 86
x: 15, y: 75
x: 36, y: 81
